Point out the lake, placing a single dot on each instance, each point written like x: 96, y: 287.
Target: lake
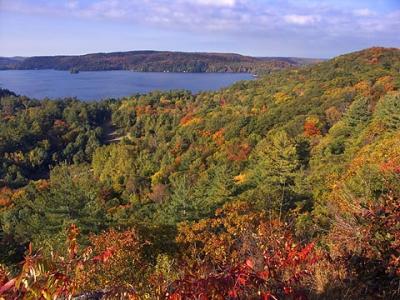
x: 109, y: 84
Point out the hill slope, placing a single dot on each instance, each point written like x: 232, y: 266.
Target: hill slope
x: 154, y: 61
x: 287, y: 185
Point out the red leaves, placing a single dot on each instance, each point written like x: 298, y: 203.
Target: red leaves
x: 311, y: 129
x: 241, y: 280
x: 287, y: 290
x: 233, y: 294
x: 387, y: 82
x: 277, y: 273
x: 104, y: 256
x: 390, y: 166
x: 373, y: 55
x: 280, y: 273
x: 7, y: 286
x: 5, y: 196
x: 144, y: 110
x: 73, y: 232
x: 238, y: 152
x: 64, y: 276
x: 250, y: 263
x: 60, y: 123
x: 218, y: 137
x: 303, y: 254
x: 263, y: 275
x: 380, y: 232
x: 174, y: 296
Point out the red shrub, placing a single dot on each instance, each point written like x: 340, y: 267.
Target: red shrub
x: 280, y: 272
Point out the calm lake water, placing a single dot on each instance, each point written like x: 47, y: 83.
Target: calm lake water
x: 106, y: 84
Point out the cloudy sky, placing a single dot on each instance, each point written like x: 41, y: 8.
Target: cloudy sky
x: 307, y: 28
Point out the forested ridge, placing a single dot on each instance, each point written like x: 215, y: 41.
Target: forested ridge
x: 284, y: 187
x: 155, y: 61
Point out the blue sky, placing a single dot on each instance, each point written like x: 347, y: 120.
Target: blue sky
x: 307, y: 28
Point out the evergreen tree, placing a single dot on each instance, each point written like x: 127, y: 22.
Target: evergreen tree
x: 274, y: 170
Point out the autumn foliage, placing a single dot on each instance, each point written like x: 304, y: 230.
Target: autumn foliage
x: 278, y: 266
x: 311, y: 128
x: 284, y: 187
x: 78, y: 270
x: 281, y: 271
x: 223, y: 261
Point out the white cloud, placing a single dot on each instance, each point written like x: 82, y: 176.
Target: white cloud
x: 301, y: 19
x: 249, y: 17
x: 364, y: 12
x: 221, y: 3
x: 72, y: 4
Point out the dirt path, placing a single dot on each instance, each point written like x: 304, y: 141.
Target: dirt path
x: 110, y: 134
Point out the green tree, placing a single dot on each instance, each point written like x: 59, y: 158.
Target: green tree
x: 41, y: 215
x: 275, y: 168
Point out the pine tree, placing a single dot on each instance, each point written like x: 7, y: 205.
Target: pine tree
x: 274, y: 173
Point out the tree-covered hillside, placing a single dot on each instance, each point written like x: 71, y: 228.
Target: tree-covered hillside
x: 155, y: 61
x: 285, y: 187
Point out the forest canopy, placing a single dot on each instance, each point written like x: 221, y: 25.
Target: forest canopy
x: 282, y: 187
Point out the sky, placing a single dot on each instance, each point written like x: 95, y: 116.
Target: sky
x: 302, y: 28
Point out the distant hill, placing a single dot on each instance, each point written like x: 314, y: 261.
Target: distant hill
x: 10, y: 62
x: 155, y: 61
x: 293, y: 60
